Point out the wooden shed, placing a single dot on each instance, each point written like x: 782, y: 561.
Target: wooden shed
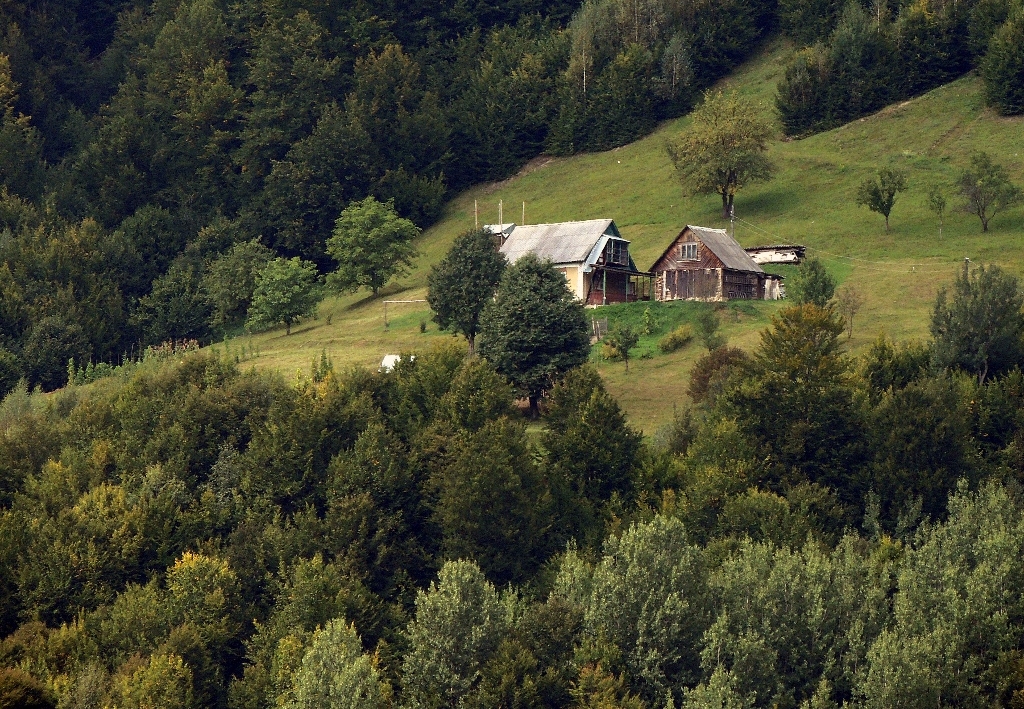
x: 708, y: 264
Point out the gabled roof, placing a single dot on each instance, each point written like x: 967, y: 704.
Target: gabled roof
x: 566, y: 242
x: 726, y: 248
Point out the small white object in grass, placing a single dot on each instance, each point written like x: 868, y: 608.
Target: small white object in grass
x: 388, y: 363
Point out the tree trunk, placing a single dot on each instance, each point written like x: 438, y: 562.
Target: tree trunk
x: 287, y: 327
x: 534, y: 408
x: 471, y: 337
x: 886, y: 223
x: 726, y: 205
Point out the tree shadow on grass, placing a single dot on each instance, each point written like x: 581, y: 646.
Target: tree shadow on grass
x: 770, y: 202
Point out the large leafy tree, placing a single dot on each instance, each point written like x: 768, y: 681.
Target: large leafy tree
x: 979, y: 328
x: 463, y: 282
x: 987, y: 189
x: 724, y: 148
x: 460, y: 621
x: 534, y: 330
x: 371, y: 244
x: 286, y: 290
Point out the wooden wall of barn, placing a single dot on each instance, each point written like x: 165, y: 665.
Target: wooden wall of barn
x: 704, y: 284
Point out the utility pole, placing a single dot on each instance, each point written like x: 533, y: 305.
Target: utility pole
x: 732, y: 219
x: 501, y: 219
x: 524, y: 214
x: 476, y: 215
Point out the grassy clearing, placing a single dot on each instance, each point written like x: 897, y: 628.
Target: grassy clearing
x: 811, y: 201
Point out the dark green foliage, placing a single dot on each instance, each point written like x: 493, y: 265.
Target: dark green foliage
x: 808, y: 21
x: 986, y: 189
x: 796, y: 402
x: 1003, y: 68
x: 534, y: 330
x: 371, y: 245
x: 49, y: 345
x: 494, y: 513
x: 463, y: 282
x: 230, y: 281
x: 812, y: 284
x: 880, y: 195
x: 10, y: 371
x: 888, y: 366
x: 922, y: 446
x: 978, y: 328
x: 592, y: 455
x: 177, y: 308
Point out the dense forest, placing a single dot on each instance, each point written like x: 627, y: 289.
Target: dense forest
x: 818, y: 530
x: 143, y: 141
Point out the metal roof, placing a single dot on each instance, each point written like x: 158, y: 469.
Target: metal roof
x: 726, y: 248
x: 563, y: 243
x: 503, y: 229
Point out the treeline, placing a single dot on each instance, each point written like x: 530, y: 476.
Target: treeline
x: 143, y: 140
x: 863, y: 56
x: 817, y: 530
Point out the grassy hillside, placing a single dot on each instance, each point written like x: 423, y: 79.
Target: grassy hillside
x: 811, y: 201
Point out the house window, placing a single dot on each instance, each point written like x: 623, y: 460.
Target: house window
x: 688, y: 252
x: 617, y: 252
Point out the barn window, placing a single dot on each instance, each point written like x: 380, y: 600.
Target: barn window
x: 617, y: 252
x: 688, y: 252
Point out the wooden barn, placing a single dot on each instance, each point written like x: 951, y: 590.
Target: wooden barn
x: 592, y: 255
x: 708, y: 264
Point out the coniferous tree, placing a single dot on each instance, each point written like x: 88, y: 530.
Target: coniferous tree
x: 1003, y: 67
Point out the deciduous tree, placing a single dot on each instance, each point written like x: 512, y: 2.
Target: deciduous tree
x: 286, y: 290
x: 879, y: 195
x: 724, y: 149
x: 371, y: 244
x: 622, y: 340
x: 534, y: 330
x: 986, y: 189
x: 812, y: 284
x: 979, y: 328
x: 463, y: 283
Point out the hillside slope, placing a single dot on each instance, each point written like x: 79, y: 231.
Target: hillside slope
x: 811, y: 201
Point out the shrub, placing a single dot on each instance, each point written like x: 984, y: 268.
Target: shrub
x: 677, y: 339
x: 712, y: 369
x: 610, y: 352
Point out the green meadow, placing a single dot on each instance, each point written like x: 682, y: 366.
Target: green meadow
x: 810, y: 202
